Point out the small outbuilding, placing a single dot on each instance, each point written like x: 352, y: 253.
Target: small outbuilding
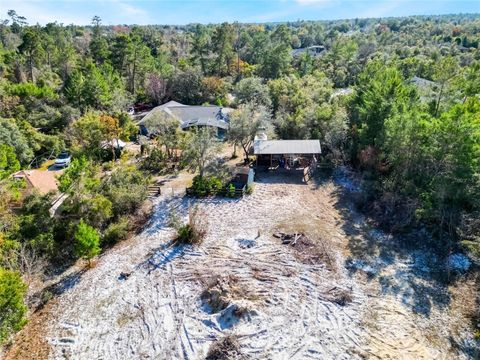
x: 243, y: 176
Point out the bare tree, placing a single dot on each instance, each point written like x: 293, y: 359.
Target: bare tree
x: 30, y: 263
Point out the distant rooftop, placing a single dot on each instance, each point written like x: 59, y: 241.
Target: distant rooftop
x: 314, y: 50
x: 421, y: 82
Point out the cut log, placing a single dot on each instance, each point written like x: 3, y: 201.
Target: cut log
x: 297, y: 236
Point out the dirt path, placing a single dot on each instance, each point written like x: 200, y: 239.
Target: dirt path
x: 323, y: 299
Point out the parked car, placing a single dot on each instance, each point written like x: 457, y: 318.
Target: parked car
x: 63, y: 160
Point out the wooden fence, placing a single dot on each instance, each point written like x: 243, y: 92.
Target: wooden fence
x: 225, y: 192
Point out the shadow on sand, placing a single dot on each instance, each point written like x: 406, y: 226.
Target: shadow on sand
x: 402, y: 267
x: 280, y: 176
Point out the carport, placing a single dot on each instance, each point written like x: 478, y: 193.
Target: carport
x: 288, y: 154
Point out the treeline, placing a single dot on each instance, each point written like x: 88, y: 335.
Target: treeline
x: 396, y: 98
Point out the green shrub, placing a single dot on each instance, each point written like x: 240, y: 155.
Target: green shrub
x: 126, y: 188
x: 194, y: 231
x: 35, y: 225
x: 155, y: 162
x: 8, y: 161
x: 87, y: 241
x: 206, y: 185
x: 31, y: 90
x: 12, y: 307
x: 45, y: 296
x: 116, y: 231
x: 231, y: 191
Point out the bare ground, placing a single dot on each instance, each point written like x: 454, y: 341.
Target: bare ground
x: 347, y: 292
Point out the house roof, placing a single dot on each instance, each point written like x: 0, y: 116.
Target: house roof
x: 341, y: 92
x: 313, y: 50
x: 192, y: 115
x: 283, y: 147
x: 115, y: 143
x: 42, y: 180
x: 421, y: 82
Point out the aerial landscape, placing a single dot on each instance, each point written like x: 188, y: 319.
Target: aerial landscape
x: 213, y: 179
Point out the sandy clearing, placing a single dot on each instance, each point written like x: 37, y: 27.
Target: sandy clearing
x: 157, y: 313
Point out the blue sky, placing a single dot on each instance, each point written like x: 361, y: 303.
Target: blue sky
x: 215, y: 11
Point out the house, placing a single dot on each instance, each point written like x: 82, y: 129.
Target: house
x: 43, y: 182
x: 422, y: 83
x: 191, y: 116
x: 40, y: 181
x: 341, y: 92
x: 313, y: 51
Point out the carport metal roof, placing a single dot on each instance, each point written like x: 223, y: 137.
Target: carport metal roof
x: 286, y: 147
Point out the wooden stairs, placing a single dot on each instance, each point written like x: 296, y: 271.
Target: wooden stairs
x: 154, y: 191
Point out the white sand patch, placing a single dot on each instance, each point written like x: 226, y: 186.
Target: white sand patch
x: 278, y: 306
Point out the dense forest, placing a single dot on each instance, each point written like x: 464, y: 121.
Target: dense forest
x: 396, y: 99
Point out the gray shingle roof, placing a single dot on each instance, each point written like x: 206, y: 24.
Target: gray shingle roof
x: 284, y: 147
x: 193, y: 115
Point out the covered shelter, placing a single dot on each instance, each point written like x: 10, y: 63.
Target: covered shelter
x: 288, y: 154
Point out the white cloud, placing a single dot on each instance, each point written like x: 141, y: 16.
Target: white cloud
x: 126, y: 13
x: 381, y: 9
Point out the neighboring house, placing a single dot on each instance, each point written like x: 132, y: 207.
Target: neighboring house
x: 341, y: 92
x: 423, y: 83
x: 40, y: 181
x: 191, y: 116
x: 313, y: 51
x: 426, y: 88
x: 115, y: 143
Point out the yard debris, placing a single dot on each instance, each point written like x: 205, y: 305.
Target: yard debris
x: 221, y: 291
x: 216, y: 295
x: 288, y: 239
x: 235, y: 312
x: 308, y: 251
x: 339, y: 296
x: 226, y: 348
x: 124, y: 275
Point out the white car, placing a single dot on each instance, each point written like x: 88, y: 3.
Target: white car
x: 63, y: 160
